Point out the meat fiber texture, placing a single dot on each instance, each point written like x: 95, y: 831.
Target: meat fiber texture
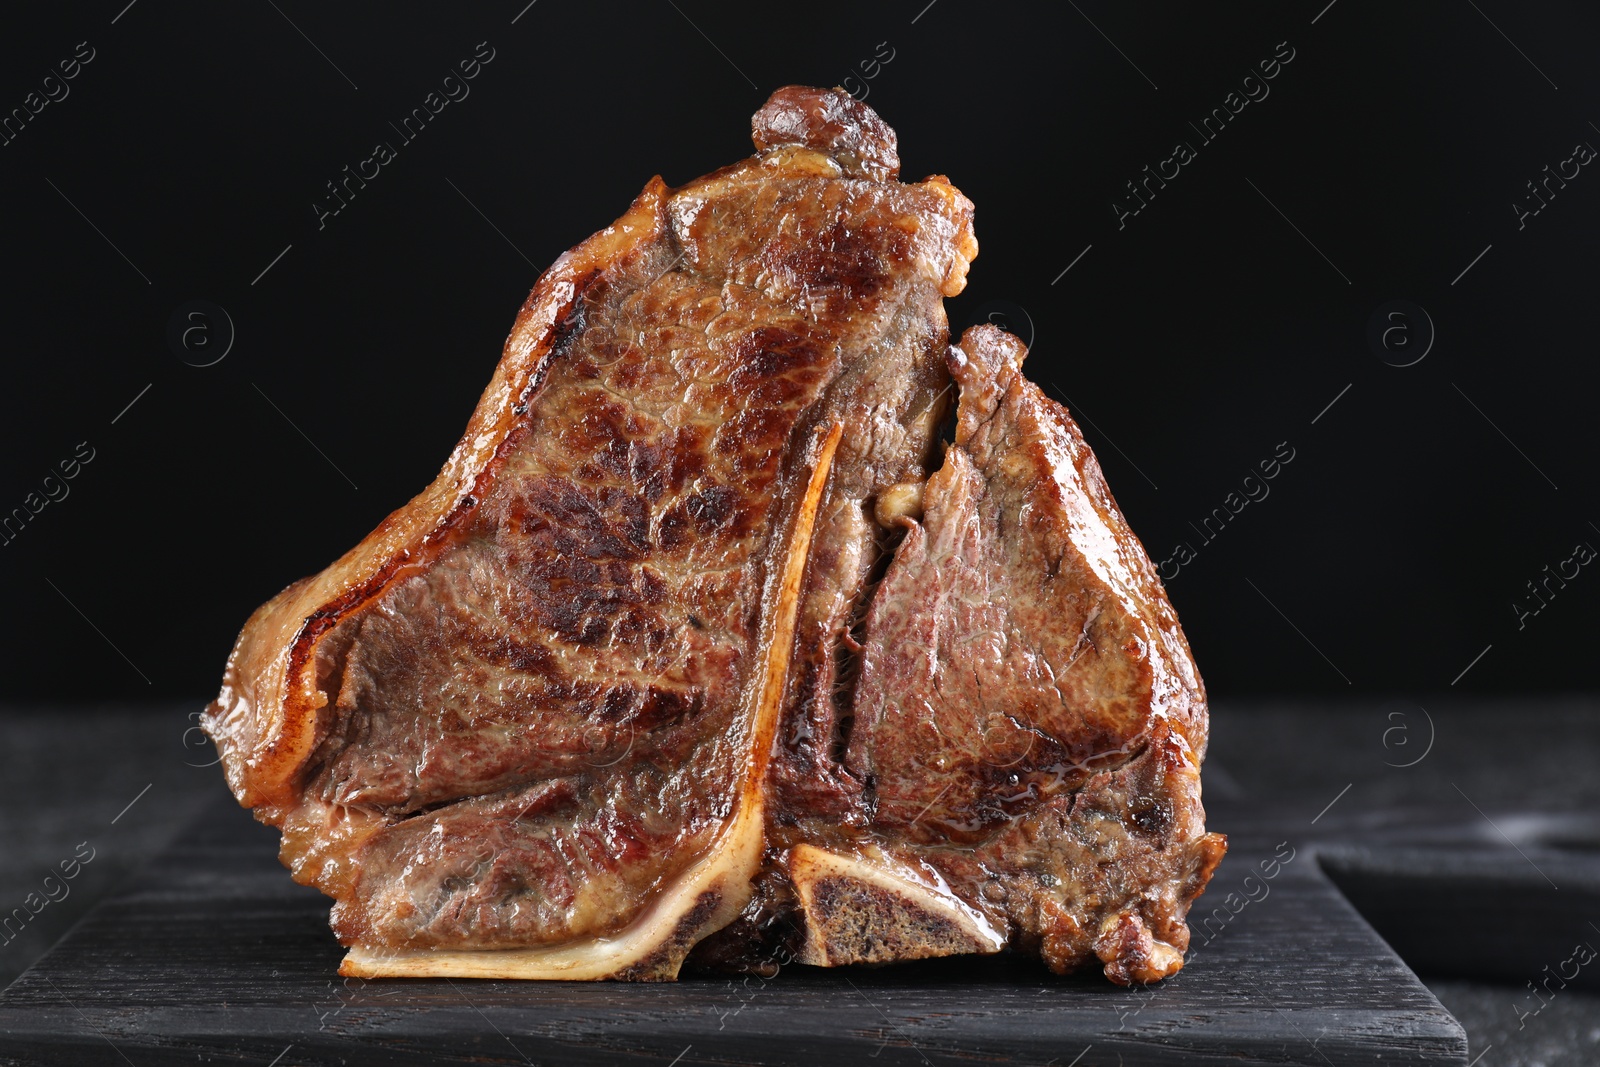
x: 749, y: 621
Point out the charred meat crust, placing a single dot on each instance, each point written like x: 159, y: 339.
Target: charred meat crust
x: 835, y: 124
x: 520, y: 710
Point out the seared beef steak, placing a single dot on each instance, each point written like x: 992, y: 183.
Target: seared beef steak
x: 701, y: 638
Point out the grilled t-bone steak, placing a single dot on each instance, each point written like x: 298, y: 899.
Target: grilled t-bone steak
x: 706, y: 641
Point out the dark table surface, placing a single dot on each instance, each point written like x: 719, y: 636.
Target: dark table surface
x: 1476, y: 775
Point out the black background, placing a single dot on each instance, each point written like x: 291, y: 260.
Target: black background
x: 1191, y: 342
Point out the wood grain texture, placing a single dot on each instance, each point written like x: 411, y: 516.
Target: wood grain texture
x: 213, y: 956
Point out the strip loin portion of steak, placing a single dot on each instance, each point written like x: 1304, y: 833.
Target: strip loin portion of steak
x: 698, y: 640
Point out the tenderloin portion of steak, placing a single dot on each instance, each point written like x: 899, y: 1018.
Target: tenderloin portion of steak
x: 699, y: 640
x: 1027, y: 713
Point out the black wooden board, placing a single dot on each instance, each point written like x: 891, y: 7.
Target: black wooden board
x: 212, y: 955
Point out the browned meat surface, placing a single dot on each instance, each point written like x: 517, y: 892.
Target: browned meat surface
x: 702, y: 638
x: 1026, y: 693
